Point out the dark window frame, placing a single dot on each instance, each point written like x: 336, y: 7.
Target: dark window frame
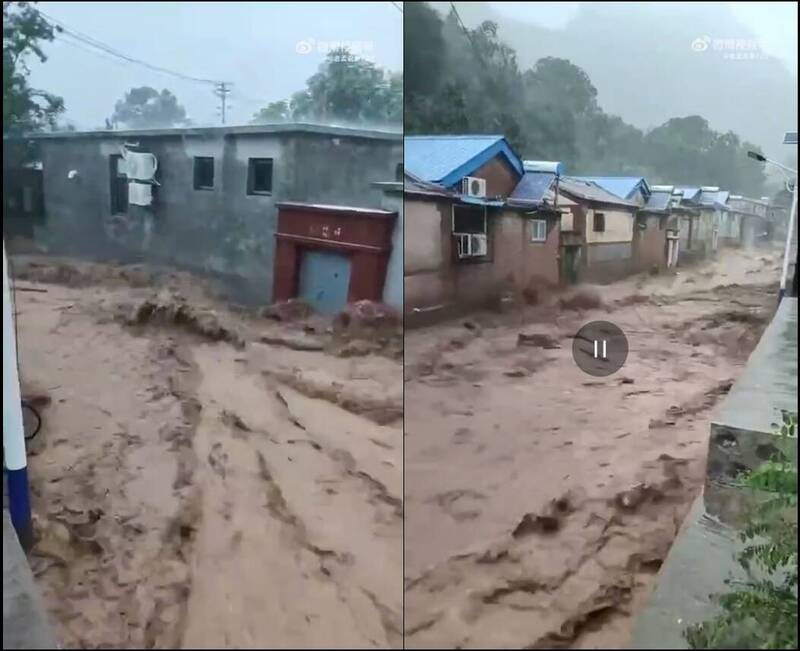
x: 118, y: 186
x: 199, y: 162
x: 483, y: 230
x: 251, y: 176
x: 599, y: 219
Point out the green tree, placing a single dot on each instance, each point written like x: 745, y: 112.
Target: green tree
x: 273, y: 112
x: 351, y: 89
x: 24, y: 32
x: 145, y: 107
x: 424, y: 62
x: 345, y: 88
x: 461, y: 80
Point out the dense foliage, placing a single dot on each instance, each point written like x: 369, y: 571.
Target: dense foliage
x: 345, y: 89
x: 461, y: 80
x: 145, y: 107
x: 25, y: 109
x: 761, y: 612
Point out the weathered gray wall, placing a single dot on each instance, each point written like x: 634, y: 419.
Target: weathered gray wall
x: 223, y: 231
x: 393, y: 287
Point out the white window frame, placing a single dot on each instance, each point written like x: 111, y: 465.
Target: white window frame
x: 535, y: 225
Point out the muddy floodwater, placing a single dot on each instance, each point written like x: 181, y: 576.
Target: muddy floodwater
x: 194, y: 486
x: 210, y: 477
x: 540, y: 500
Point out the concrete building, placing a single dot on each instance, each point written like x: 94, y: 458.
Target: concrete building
x: 213, y: 204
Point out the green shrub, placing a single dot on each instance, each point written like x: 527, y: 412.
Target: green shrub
x: 761, y: 612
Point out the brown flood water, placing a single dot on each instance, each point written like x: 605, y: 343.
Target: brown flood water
x: 541, y: 501
x: 192, y: 493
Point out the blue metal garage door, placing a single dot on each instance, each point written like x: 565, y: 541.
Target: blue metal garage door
x: 324, y: 280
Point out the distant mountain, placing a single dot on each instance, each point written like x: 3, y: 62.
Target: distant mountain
x: 639, y: 56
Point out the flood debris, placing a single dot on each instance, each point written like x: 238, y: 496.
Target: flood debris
x: 624, y: 453
x: 168, y: 308
x: 177, y: 479
x: 548, y: 521
x: 537, y: 340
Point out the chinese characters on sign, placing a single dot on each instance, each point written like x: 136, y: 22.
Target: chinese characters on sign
x: 325, y: 231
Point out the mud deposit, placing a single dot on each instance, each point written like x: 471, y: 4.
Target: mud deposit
x: 541, y: 501
x: 196, y: 487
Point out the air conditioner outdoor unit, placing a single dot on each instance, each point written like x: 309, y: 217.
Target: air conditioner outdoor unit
x: 478, y: 243
x: 473, y: 187
x: 471, y: 245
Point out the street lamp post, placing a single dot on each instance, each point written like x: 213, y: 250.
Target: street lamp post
x: 792, y: 216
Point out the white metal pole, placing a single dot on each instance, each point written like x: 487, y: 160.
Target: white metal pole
x: 13, y: 432
x: 788, y: 250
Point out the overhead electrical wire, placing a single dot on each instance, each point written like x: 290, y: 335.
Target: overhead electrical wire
x: 99, y: 45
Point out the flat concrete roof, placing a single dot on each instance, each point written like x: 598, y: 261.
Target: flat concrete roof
x: 249, y: 129
x: 332, y: 208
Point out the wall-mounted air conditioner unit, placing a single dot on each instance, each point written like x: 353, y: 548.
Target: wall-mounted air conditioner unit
x: 471, y: 245
x: 473, y: 187
x: 479, y: 246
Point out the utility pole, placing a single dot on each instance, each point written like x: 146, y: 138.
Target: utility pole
x: 221, y: 90
x: 788, y: 173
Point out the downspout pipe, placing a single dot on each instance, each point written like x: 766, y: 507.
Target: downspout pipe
x: 16, y: 466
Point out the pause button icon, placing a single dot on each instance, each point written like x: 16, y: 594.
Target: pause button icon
x: 600, y: 348
x: 596, y: 347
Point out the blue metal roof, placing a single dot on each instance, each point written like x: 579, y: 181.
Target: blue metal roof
x: 448, y: 159
x: 533, y: 187
x: 714, y: 197
x: 622, y: 186
x: 590, y: 191
x: 689, y: 194
x: 659, y: 200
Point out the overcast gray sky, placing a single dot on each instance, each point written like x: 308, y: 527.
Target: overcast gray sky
x: 267, y: 50
x: 774, y: 23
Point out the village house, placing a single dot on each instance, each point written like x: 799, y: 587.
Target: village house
x: 700, y: 231
x: 597, y: 238
x: 467, y: 239
x: 657, y: 233
x: 751, y: 217
x: 208, y: 200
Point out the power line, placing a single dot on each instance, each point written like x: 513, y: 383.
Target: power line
x: 468, y: 35
x: 92, y: 42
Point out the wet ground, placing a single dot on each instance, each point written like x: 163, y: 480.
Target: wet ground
x: 541, y: 501
x: 194, y: 486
